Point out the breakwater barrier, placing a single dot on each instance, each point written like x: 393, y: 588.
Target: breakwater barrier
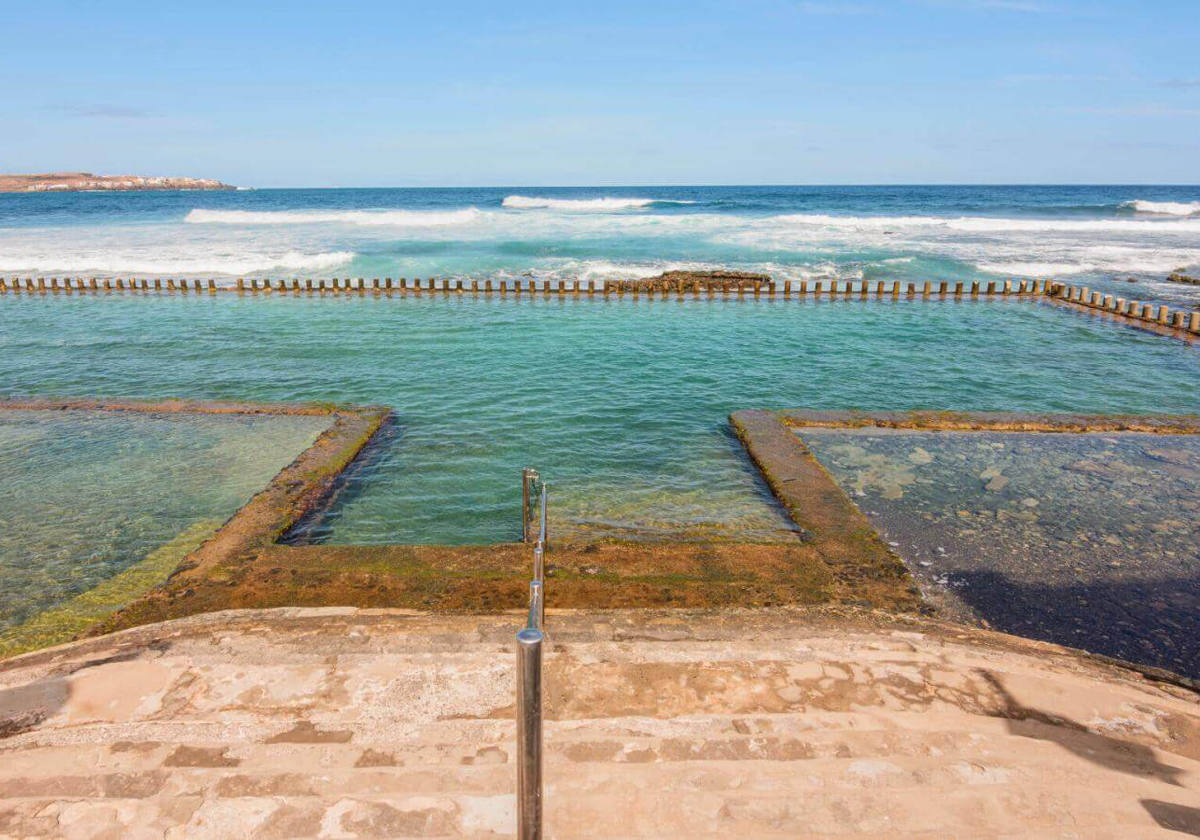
x: 519, y: 287
x: 1154, y: 317
x: 1158, y: 318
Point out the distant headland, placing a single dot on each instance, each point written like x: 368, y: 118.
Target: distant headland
x: 80, y: 181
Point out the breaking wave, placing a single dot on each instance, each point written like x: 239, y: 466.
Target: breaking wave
x: 584, y: 205
x: 1164, y: 208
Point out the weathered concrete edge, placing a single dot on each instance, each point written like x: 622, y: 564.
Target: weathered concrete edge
x: 994, y: 421
x: 292, y: 492
x: 616, y: 625
x: 827, y: 517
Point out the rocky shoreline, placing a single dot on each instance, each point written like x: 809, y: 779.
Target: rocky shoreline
x: 83, y: 181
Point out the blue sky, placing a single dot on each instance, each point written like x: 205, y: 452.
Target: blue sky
x: 759, y: 91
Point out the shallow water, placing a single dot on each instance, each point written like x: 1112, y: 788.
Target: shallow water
x: 87, y: 494
x: 1088, y: 540
x: 621, y: 404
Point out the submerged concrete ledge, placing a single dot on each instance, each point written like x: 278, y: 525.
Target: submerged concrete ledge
x: 994, y: 421
x: 680, y: 723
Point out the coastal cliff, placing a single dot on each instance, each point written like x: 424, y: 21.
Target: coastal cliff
x: 78, y: 181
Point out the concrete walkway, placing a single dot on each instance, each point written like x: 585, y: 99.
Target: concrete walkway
x: 344, y: 724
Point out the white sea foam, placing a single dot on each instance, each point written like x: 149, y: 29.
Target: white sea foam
x: 369, y: 218
x: 583, y: 205
x: 984, y: 224
x: 168, y: 262
x: 1096, y: 259
x: 1164, y: 208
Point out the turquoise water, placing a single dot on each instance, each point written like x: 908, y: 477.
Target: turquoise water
x: 622, y: 404
x: 88, y: 494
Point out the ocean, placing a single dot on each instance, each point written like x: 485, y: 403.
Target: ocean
x: 1102, y: 236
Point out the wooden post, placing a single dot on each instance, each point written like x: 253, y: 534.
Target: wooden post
x: 1194, y: 322
x: 974, y: 288
x: 1164, y: 315
x: 504, y: 287
x: 942, y: 288
x: 912, y: 290
x: 895, y: 289
x: 879, y: 289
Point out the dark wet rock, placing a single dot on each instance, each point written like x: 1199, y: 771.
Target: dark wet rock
x: 688, y: 280
x: 1180, y: 277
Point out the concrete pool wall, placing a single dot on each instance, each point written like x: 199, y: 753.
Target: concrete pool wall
x: 1079, y: 530
x: 296, y: 488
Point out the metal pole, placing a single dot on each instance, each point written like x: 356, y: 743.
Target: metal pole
x: 527, y: 476
x: 529, y: 733
x: 543, y: 535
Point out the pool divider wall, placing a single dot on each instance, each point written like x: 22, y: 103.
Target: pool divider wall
x: 829, y: 521
x: 1154, y: 318
x: 560, y: 288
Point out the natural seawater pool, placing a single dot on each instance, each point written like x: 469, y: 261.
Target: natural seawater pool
x: 1089, y: 540
x: 88, y: 494
x: 621, y: 404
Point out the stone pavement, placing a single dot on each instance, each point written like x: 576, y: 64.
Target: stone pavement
x: 346, y: 723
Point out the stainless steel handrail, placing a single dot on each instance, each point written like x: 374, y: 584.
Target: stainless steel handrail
x: 529, y: 676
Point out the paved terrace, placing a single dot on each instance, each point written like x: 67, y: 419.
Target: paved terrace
x: 346, y: 723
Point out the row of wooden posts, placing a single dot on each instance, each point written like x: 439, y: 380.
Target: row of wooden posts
x: 768, y: 289
x: 1149, y: 313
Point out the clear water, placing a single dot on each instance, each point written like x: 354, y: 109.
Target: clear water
x: 622, y: 404
x: 87, y: 494
x: 1095, y: 235
x: 1088, y: 540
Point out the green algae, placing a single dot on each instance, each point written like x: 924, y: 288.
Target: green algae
x: 70, y: 619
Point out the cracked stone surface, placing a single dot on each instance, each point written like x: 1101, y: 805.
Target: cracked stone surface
x: 344, y: 723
